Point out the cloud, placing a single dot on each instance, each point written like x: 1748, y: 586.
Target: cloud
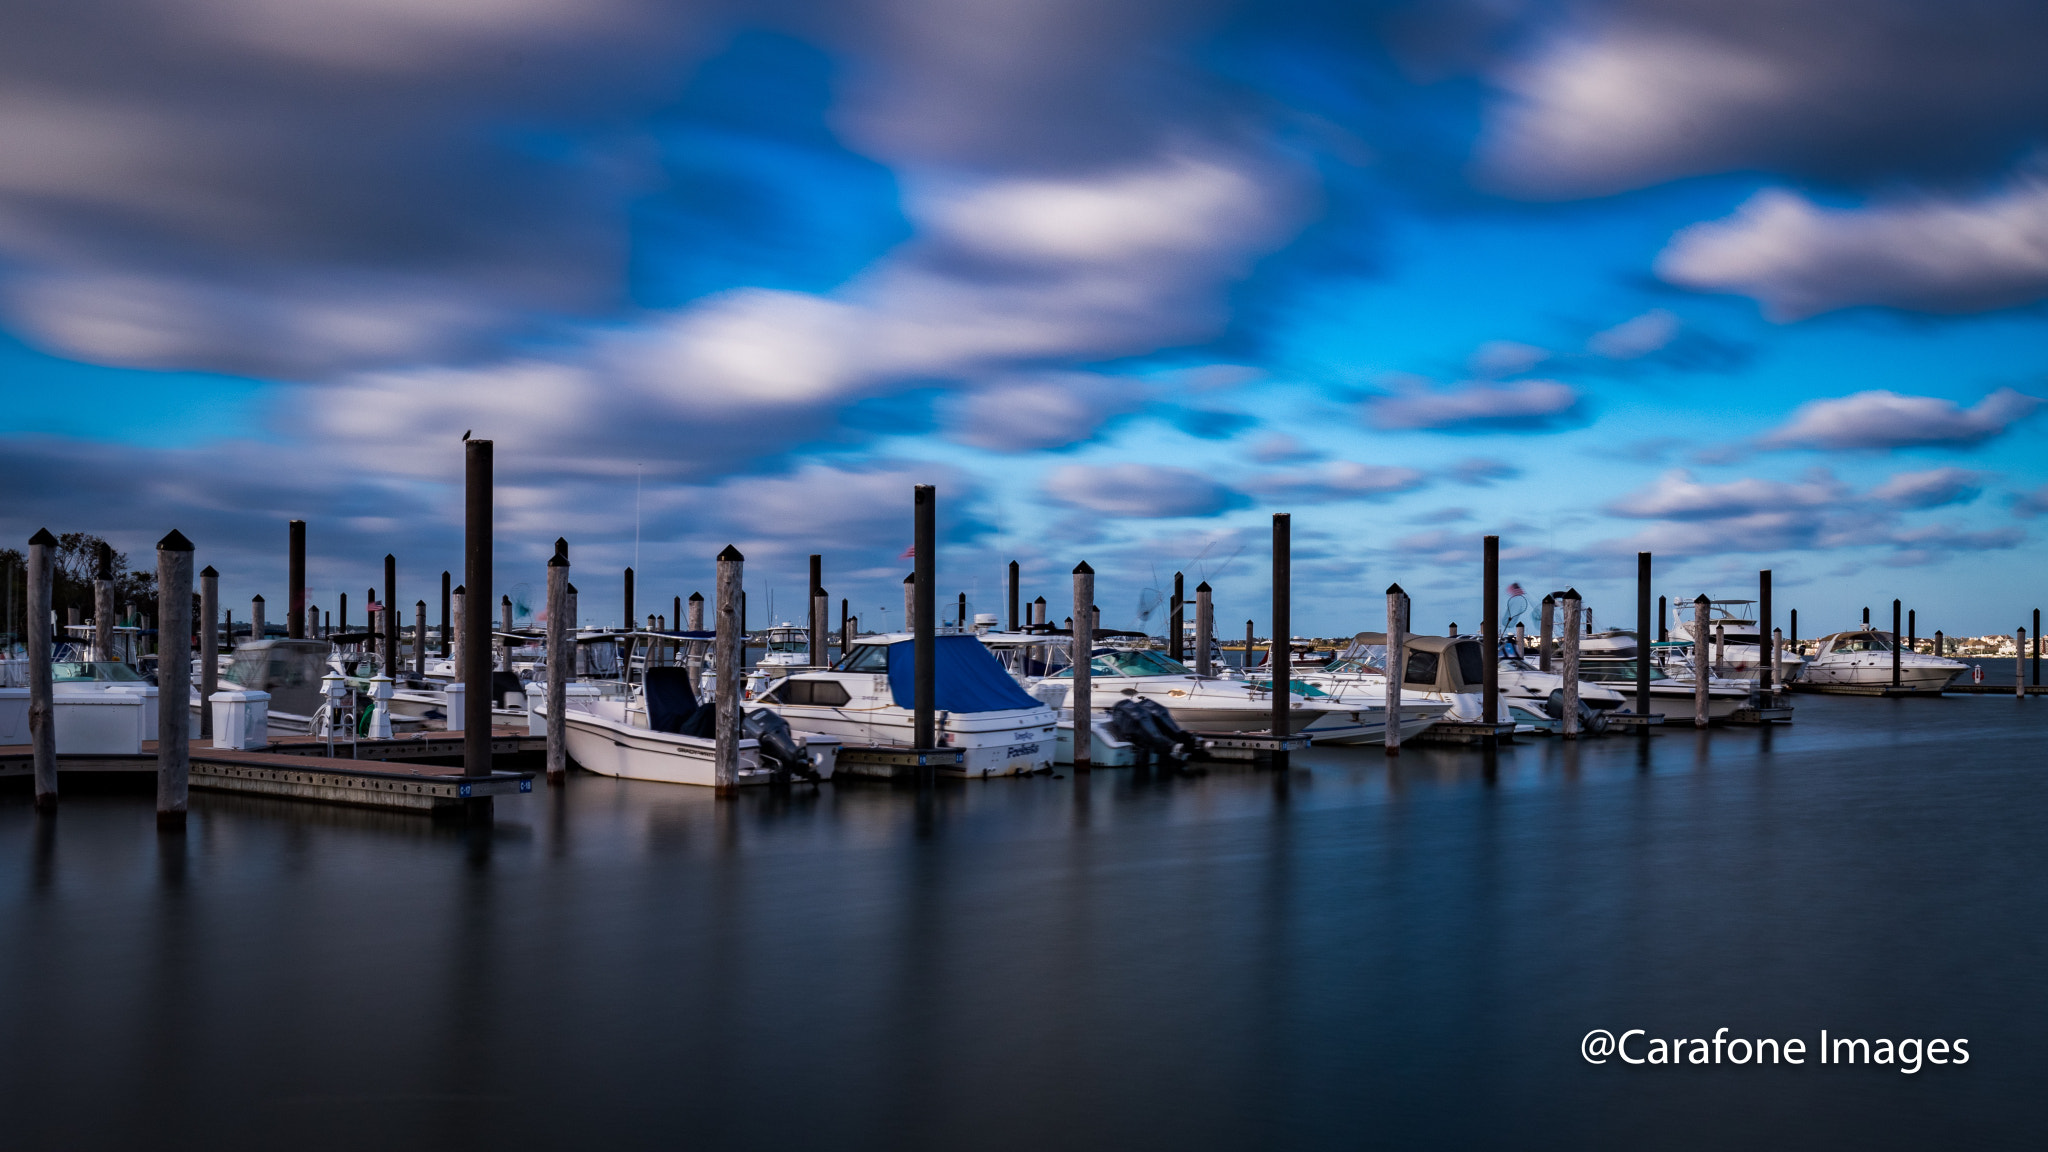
x: 1925, y: 255
x: 1635, y: 93
x: 1337, y: 480
x: 1519, y: 406
x: 1638, y: 337
x: 1048, y: 410
x: 1281, y: 448
x: 1481, y: 471
x: 1934, y: 488
x: 1497, y: 358
x: 2032, y: 503
x: 1677, y: 496
x: 1138, y: 490
x: 1883, y: 419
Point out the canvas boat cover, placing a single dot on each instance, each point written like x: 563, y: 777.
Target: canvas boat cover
x: 966, y: 677
x: 1441, y: 663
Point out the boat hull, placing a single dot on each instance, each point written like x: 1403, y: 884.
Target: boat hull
x: 608, y: 748
x: 1007, y: 742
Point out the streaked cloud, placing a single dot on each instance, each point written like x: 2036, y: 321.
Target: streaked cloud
x: 1138, y: 490
x: 1521, y: 405
x: 1636, y: 337
x: 1882, y: 419
x: 1932, y: 488
x: 1336, y: 480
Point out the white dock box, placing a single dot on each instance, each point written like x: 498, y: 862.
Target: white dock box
x: 13, y: 716
x: 241, y: 719
x: 95, y: 722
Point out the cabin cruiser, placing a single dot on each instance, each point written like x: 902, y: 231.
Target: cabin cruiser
x: 1448, y: 671
x: 1671, y: 696
x: 1863, y: 659
x: 786, y: 645
x: 1204, y: 706
x: 1734, y: 643
x: 867, y: 698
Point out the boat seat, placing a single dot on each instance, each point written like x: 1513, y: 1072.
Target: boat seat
x: 671, y: 703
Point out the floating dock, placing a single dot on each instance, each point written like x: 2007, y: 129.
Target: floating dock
x: 1467, y: 732
x: 303, y: 773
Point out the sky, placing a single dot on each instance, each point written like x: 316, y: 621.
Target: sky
x: 1746, y: 285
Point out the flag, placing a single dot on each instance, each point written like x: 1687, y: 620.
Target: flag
x: 1516, y: 590
x: 909, y: 553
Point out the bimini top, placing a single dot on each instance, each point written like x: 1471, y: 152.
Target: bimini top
x: 1437, y: 663
x: 1862, y: 640
x: 966, y: 676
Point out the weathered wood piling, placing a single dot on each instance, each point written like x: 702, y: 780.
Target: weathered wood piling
x: 1283, y: 632
x: 295, y: 580
x: 924, y: 622
x: 209, y: 648
x: 560, y: 663
x: 1569, y: 652
x: 174, y: 678
x: 476, y: 612
x: 1489, y: 631
x: 1205, y: 629
x: 1397, y: 664
x: 1700, y: 609
x: 1081, y: 698
x: 42, y: 716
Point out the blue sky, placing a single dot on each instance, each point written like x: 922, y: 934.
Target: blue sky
x: 1722, y: 281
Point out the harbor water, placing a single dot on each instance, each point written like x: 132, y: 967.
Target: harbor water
x: 1359, y: 952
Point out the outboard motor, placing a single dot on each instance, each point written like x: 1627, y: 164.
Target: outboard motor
x: 778, y: 744
x: 1148, y: 725
x: 1591, y: 720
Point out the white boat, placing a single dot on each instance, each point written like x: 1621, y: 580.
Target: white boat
x: 786, y: 646
x: 1863, y: 659
x: 618, y: 737
x: 1449, y: 670
x: 1734, y: 644
x: 1205, y: 706
x: 865, y: 699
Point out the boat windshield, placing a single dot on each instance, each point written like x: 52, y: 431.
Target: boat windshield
x: 95, y: 671
x: 788, y: 640
x: 1131, y: 662
x: 865, y: 658
x: 1351, y: 667
x: 1864, y: 642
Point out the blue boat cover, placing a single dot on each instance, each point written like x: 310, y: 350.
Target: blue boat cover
x: 966, y: 677
x: 670, y: 703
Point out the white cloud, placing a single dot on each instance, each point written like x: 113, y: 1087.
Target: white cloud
x: 1525, y: 404
x: 1506, y: 358
x: 1138, y: 490
x: 1883, y: 419
x: 1676, y: 495
x: 1048, y: 410
x: 1933, y: 488
x: 1637, y: 337
x: 1929, y: 255
x: 1337, y: 480
x: 1280, y: 448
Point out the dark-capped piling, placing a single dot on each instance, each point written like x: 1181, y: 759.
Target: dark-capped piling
x: 1283, y: 631
x: 1489, y: 631
x: 1082, y: 699
x: 1397, y: 664
x: 1013, y: 596
x: 173, y: 678
x: 1643, y: 580
x: 559, y: 662
x: 923, y: 622
x: 1205, y: 629
x: 476, y: 610
x: 1699, y: 661
x: 295, y: 581
x: 728, y: 665
x: 42, y: 717
x: 209, y: 648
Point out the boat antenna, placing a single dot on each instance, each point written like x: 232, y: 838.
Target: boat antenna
x: 638, y: 470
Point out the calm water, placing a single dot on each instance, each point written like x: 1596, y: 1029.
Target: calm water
x: 1349, y: 956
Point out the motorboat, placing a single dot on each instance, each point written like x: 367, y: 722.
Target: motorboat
x: 786, y: 645
x: 1671, y: 687
x: 1205, y: 706
x: 663, y: 733
x: 1863, y: 659
x: 1448, y: 671
x: 867, y: 699
x: 1735, y: 646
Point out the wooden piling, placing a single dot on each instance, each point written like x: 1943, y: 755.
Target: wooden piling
x: 1792, y: 623
x: 42, y: 717
x: 818, y: 608
x: 627, y: 619
x: 960, y: 615
x: 313, y: 622
x: 845, y: 626
x: 560, y: 661
x: 255, y: 617
x: 341, y: 610
x: 821, y: 626
x: 1778, y: 648
x: 1569, y: 653
x: 227, y: 630
x: 209, y: 649
x: 729, y: 667
x: 1937, y: 642
x: 1176, y: 621
x: 174, y: 678
x: 1397, y: 664
x: 419, y: 639
x: 295, y: 581
x: 1912, y: 630
x: 1082, y: 699
x: 391, y: 624
x: 910, y: 602
x: 1663, y: 621
x: 1489, y: 631
x: 1038, y: 611
x: 696, y: 612
x: 1246, y: 663
x: 1643, y: 581
x: 460, y: 597
x: 1895, y: 644
x: 1544, y: 631
x: 103, y: 606
x: 447, y: 624
x: 1768, y: 674
x: 1283, y: 631
x: 1700, y: 609
x: 476, y: 608
x: 2019, y: 665
x: 923, y: 622
x: 1013, y: 596
x: 2037, y: 647
x: 1205, y: 629
x: 505, y: 615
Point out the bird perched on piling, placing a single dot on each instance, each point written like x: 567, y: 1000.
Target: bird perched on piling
x: 466, y: 432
